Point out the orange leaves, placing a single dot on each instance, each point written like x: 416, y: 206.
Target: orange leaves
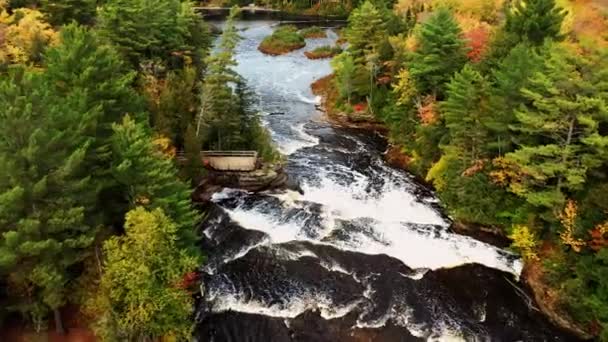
x: 599, y: 237
x: 568, y: 219
x: 477, y: 166
x: 506, y: 172
x: 477, y: 39
x: 427, y: 111
x: 164, y: 146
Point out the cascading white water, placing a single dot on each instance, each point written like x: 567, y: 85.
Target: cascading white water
x: 401, y: 225
x: 362, y: 238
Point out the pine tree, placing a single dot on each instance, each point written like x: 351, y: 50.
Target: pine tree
x: 366, y: 31
x: 141, y: 293
x: 440, y: 54
x: 146, y: 177
x: 62, y: 12
x: 533, y: 21
x: 83, y: 63
x: 465, y: 112
x: 510, y: 76
x: 218, y: 123
x: 46, y: 193
x: 149, y: 29
x: 557, y: 134
x: 192, y: 151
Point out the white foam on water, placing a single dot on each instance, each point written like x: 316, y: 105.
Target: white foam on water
x: 291, y: 308
x: 417, y: 274
x: 333, y: 267
x: 212, y: 268
x: 351, y: 202
x: 394, y: 215
x: 300, y: 140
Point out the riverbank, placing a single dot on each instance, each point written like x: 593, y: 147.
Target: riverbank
x: 545, y: 298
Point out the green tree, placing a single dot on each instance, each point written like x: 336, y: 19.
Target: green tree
x: 366, y: 31
x: 149, y: 29
x: 173, y: 102
x: 511, y: 75
x: 82, y: 63
x: 465, y: 112
x: 440, y: 54
x: 349, y: 78
x: 558, y: 135
x: 141, y: 295
x: 218, y: 124
x: 146, y: 177
x: 62, y: 12
x: 534, y: 21
x: 47, y: 197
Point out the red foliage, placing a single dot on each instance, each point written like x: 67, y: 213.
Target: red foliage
x: 189, y: 280
x: 360, y: 107
x: 477, y: 39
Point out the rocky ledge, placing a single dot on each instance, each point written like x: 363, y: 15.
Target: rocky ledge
x: 268, y: 177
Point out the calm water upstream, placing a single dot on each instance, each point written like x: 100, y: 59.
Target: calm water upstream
x: 365, y: 254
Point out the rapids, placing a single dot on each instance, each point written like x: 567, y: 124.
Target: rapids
x: 365, y: 254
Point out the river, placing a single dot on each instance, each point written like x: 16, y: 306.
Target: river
x: 365, y: 254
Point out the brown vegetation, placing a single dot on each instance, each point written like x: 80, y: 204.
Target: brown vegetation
x: 323, y: 52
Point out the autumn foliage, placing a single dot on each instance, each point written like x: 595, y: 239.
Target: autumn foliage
x: 477, y: 40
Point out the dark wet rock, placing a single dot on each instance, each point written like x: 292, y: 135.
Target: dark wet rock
x: 261, y: 179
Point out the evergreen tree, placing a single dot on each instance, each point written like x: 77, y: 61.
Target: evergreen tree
x: 558, y: 134
x: 534, y: 21
x: 148, y: 178
x: 193, y: 168
x: 218, y: 123
x: 60, y: 12
x: 465, y: 112
x: 351, y: 80
x: 84, y: 64
x: 365, y: 32
x: 46, y: 193
x: 441, y: 53
x: 511, y: 75
x: 142, y: 295
x: 152, y: 29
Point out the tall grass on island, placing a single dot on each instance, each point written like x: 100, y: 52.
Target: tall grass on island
x: 325, y: 51
x: 283, y: 40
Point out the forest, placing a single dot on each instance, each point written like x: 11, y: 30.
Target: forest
x: 502, y: 106
x: 96, y: 99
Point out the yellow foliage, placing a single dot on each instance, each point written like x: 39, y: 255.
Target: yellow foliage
x: 25, y: 35
x: 164, y: 146
x: 568, y: 219
x: 402, y: 6
x: 436, y: 173
x: 484, y: 10
x: 509, y: 174
x: 524, y: 241
x: 405, y: 88
x: 411, y: 43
